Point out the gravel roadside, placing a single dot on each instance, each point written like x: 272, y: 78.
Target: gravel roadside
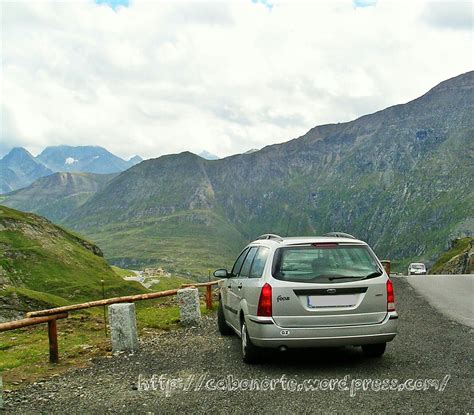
x: 428, y: 346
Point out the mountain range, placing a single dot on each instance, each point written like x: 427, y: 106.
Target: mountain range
x: 401, y: 179
x: 19, y: 168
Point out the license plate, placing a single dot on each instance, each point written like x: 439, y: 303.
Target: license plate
x: 326, y: 301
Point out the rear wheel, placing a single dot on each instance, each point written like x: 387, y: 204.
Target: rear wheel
x: 374, y: 350
x: 250, y: 352
x: 224, y: 329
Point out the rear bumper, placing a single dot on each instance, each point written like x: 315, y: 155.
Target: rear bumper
x: 265, y: 333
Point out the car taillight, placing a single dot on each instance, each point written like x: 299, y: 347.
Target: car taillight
x: 390, y: 296
x: 265, y: 301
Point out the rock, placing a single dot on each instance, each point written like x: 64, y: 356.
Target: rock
x: 123, y: 327
x: 189, y: 307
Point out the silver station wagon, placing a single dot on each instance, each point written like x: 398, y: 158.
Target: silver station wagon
x: 307, y: 292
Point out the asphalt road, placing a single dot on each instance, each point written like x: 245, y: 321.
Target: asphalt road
x: 429, y: 346
x: 450, y: 294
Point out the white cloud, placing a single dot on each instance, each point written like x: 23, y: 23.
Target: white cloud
x: 450, y: 14
x: 156, y: 77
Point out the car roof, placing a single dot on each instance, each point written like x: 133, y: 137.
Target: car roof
x: 298, y: 240
x: 417, y: 263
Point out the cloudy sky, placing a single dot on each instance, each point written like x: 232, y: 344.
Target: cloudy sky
x: 162, y: 77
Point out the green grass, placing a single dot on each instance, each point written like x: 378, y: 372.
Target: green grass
x: 49, y: 267
x: 41, y: 299
x: 175, y: 243
x: 161, y: 316
x: 24, y: 356
x: 43, y: 258
x: 123, y: 272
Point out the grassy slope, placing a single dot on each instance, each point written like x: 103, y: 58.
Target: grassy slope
x: 178, y: 244
x: 47, y: 263
x: 50, y: 267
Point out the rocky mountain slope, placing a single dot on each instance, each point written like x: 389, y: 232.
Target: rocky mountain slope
x: 58, y: 195
x: 43, y: 265
x: 18, y: 169
x: 458, y: 259
x: 400, y: 178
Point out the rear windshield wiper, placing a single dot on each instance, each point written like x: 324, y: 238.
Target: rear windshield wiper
x: 341, y: 277
x: 371, y: 275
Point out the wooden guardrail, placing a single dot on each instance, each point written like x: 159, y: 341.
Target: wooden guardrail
x: 51, y: 315
x: 52, y: 330
x: 97, y: 303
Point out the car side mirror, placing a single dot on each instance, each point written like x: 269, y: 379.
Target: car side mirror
x: 221, y: 273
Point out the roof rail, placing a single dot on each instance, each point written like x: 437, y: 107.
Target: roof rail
x: 270, y: 236
x: 340, y: 235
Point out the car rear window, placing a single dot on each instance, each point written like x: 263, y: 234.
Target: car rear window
x: 324, y: 263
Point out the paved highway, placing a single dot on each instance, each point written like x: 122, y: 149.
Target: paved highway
x: 450, y: 294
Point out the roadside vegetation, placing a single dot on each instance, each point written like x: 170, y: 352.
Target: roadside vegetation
x: 81, y: 336
x: 43, y: 266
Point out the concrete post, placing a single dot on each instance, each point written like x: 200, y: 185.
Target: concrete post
x: 123, y: 327
x: 189, y: 307
x: 1, y: 392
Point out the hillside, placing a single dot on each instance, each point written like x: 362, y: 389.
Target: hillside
x: 42, y: 265
x: 400, y: 178
x: 58, y: 195
x: 458, y: 259
x: 162, y: 213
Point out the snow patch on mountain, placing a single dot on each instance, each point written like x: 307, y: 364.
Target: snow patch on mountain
x: 70, y: 160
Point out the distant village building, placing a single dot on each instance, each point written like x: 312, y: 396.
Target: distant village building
x: 155, y: 272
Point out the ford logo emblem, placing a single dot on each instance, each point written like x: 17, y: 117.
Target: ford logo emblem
x: 331, y: 291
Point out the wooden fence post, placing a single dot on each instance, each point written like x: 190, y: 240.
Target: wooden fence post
x: 209, y: 297
x: 53, y: 341
x: 386, y: 265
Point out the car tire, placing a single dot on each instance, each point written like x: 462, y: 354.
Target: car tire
x: 224, y: 328
x: 250, y: 352
x: 374, y: 350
